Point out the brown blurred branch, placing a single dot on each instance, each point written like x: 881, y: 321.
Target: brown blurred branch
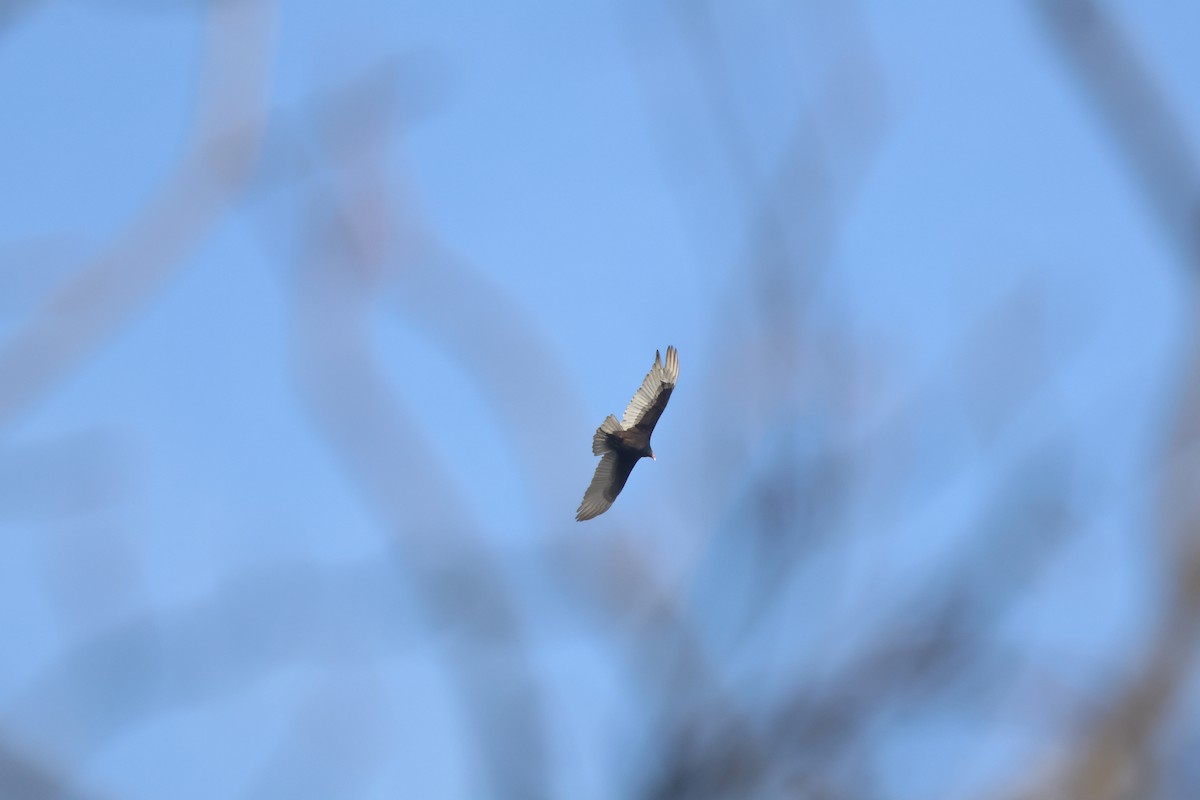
x: 1135, y: 110
x: 21, y: 777
x: 1112, y: 760
x: 251, y: 624
x: 90, y: 307
x: 354, y: 234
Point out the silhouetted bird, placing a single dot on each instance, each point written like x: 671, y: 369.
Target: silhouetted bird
x: 622, y: 443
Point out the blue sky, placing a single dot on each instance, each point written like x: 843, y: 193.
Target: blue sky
x: 987, y: 255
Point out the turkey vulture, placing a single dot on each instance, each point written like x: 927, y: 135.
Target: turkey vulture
x: 622, y: 443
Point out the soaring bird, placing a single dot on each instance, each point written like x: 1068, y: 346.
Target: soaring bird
x: 622, y: 443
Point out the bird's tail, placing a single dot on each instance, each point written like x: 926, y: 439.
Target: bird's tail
x: 600, y: 440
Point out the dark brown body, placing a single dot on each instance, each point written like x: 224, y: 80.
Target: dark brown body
x: 629, y: 446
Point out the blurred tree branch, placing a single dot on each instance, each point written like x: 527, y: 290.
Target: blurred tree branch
x: 92, y: 304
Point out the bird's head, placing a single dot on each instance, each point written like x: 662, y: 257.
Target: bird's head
x: 649, y: 453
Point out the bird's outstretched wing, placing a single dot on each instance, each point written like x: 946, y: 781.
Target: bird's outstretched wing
x: 651, y: 397
x: 607, y: 483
